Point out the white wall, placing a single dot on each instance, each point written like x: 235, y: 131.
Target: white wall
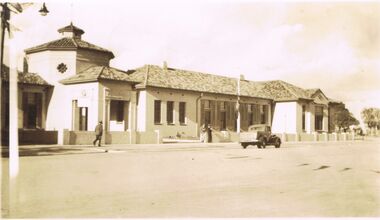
x: 45, y: 63
x: 190, y: 128
x: 87, y: 96
x: 116, y: 91
x: 142, y: 111
x: 285, y: 117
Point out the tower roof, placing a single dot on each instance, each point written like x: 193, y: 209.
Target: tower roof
x: 71, y: 28
x: 70, y: 41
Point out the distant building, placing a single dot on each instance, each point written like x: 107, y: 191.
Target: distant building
x: 74, y: 87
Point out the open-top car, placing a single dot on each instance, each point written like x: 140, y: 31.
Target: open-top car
x: 259, y: 135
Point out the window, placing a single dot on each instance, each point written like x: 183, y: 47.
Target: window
x: 157, y: 111
x: 303, y: 118
x: 182, y: 112
x: 83, y: 118
x: 62, y: 67
x: 32, y: 110
x: 222, y: 106
x: 223, y: 116
x: 206, y: 111
x: 318, y: 118
x: 250, y: 114
x: 207, y: 104
x: 117, y: 111
x: 169, y: 112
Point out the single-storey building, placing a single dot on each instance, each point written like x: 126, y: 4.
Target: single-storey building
x: 145, y: 104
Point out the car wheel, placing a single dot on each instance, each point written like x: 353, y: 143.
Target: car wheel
x: 244, y: 145
x: 262, y: 143
x: 277, y: 143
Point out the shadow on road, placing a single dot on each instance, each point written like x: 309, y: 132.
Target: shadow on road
x: 47, y: 151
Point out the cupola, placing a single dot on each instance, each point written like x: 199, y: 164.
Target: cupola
x: 71, y: 31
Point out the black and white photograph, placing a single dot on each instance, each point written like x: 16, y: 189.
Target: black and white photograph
x: 190, y: 109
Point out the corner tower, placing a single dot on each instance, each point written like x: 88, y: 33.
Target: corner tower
x: 67, y: 56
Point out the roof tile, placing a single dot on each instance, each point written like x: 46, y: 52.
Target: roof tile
x: 67, y: 43
x: 25, y: 78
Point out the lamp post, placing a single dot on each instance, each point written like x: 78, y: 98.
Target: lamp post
x: 6, y: 11
x: 13, y: 163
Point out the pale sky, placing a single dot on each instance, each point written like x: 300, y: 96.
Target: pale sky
x: 334, y: 46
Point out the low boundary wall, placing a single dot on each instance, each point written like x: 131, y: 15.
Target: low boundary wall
x: 27, y: 137
x: 154, y: 137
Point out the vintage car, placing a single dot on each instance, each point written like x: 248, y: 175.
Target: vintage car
x: 259, y: 135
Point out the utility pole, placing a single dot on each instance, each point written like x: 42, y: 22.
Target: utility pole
x: 238, y: 107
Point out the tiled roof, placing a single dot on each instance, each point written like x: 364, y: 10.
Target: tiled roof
x: 156, y: 76
x: 254, y: 89
x: 25, y: 78
x: 67, y: 43
x: 186, y: 80
x: 95, y: 73
x: 71, y: 28
x: 311, y: 92
x: 283, y: 91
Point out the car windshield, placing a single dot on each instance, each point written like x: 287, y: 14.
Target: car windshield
x: 257, y: 128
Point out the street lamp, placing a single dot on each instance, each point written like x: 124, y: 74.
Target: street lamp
x: 6, y: 10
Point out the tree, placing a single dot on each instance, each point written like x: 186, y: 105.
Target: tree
x: 371, y: 116
x: 344, y: 119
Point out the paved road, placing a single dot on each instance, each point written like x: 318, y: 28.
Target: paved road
x: 336, y: 179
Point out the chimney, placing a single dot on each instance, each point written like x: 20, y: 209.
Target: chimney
x: 165, y: 66
x: 25, y: 67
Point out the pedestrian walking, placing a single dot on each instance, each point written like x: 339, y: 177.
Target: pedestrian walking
x: 98, y: 133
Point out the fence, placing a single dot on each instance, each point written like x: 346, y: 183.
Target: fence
x: 154, y: 137
x: 303, y: 137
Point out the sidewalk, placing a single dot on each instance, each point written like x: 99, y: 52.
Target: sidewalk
x: 47, y: 150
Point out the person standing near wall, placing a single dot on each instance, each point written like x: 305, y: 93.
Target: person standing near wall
x: 203, y: 134
x: 209, y: 134
x: 98, y: 133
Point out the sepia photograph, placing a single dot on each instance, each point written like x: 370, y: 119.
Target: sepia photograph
x: 190, y: 109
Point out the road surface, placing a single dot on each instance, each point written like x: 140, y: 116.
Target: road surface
x: 333, y: 179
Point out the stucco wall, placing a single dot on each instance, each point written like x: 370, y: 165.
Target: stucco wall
x: 115, y: 90
x: 88, y: 58
x: 45, y: 64
x: 86, y: 95
x: 189, y: 128
x: 284, y: 117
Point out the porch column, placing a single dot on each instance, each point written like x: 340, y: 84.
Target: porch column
x: 132, y: 120
x: 43, y: 109
x: 325, y: 123
x: 105, y: 118
x: 269, y: 118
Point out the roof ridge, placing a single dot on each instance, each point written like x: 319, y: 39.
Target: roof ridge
x: 75, y: 42
x: 100, y: 72
x: 191, y: 71
x: 89, y: 68
x: 146, y: 75
x: 291, y: 91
